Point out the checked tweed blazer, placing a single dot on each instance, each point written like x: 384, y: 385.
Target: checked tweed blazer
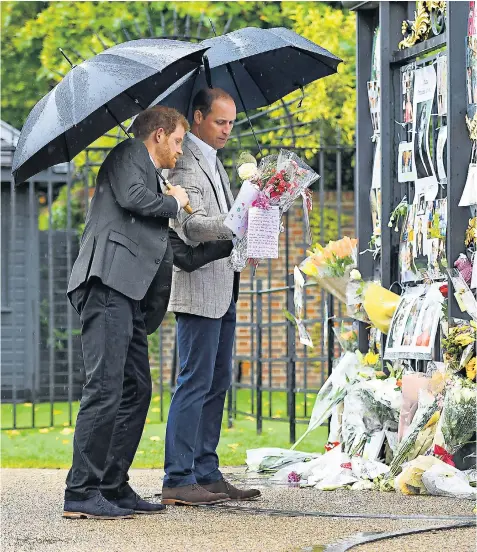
x: 207, y: 291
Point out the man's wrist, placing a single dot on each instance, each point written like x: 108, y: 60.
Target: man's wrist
x: 178, y: 205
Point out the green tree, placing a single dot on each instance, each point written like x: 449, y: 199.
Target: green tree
x: 329, y: 104
x: 24, y: 81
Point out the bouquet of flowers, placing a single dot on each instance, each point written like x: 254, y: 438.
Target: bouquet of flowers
x: 347, y: 336
x: 457, y: 423
x: 427, y: 407
x: 359, y: 423
x: 460, y: 348
x: 333, y: 392
x: 370, y: 302
x: 271, y: 186
x: 330, y: 266
x: 383, y: 397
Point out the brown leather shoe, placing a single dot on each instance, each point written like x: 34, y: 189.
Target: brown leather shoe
x: 223, y: 486
x: 191, y: 495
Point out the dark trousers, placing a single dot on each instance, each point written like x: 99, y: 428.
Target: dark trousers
x: 195, y: 415
x: 116, y: 395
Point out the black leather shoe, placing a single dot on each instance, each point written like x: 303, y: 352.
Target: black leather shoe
x: 96, y: 507
x: 139, y: 505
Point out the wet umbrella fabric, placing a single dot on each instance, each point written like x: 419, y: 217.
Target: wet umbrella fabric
x: 267, y: 64
x: 97, y: 94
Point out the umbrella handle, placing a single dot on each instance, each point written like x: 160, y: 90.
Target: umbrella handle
x: 187, y: 208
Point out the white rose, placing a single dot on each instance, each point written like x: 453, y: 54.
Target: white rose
x: 247, y: 171
x: 355, y: 274
x: 468, y: 394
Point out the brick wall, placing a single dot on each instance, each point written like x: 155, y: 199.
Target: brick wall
x: 273, y: 276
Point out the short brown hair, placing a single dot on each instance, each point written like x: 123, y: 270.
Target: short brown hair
x: 156, y: 117
x: 204, y: 99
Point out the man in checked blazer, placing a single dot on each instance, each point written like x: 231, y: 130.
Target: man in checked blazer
x: 204, y: 304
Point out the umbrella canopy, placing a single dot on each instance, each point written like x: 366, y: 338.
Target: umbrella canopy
x: 95, y: 96
x: 255, y: 66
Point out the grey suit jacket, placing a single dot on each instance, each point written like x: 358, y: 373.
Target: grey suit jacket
x: 207, y: 291
x: 126, y: 234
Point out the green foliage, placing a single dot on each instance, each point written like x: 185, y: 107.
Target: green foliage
x: 329, y: 217
x: 59, y: 213
x: 329, y: 102
x: 23, y: 81
x: 153, y: 339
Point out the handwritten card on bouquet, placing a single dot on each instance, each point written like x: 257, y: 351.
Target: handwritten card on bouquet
x: 237, y: 217
x: 263, y: 233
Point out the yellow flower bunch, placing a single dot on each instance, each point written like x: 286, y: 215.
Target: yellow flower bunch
x: 471, y: 368
x: 334, y: 257
x: 471, y: 232
x: 370, y: 358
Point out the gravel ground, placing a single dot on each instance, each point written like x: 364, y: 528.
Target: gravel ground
x: 32, y: 505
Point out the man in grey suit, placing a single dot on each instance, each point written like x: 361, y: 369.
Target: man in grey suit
x: 124, y: 244
x: 204, y: 304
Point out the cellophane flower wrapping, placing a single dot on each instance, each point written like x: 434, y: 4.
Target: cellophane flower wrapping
x: 333, y: 392
x: 383, y: 397
x: 358, y: 424
x: 281, y: 179
x: 330, y: 266
x: 371, y: 303
x: 347, y: 336
x: 457, y: 423
x: 427, y: 406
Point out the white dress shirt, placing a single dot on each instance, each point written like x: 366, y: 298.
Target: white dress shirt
x: 211, y: 155
x: 156, y: 167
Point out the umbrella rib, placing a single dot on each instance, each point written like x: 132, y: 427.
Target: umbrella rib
x: 310, y: 55
x: 301, y: 51
x: 231, y: 72
x: 67, y: 147
x: 135, y: 100
x: 256, y: 83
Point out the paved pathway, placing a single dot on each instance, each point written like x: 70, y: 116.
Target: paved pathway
x: 32, y: 503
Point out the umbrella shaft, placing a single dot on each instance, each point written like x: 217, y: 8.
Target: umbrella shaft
x: 169, y: 186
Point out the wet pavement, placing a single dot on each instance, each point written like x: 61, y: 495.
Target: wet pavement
x: 284, y: 519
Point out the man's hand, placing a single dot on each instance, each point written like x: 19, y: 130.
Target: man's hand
x: 180, y: 194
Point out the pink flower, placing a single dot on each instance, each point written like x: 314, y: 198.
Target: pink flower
x: 262, y: 201
x: 294, y: 477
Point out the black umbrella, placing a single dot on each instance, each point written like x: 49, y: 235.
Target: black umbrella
x: 255, y: 66
x: 97, y: 95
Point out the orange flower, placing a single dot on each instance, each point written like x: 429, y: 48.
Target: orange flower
x: 341, y: 248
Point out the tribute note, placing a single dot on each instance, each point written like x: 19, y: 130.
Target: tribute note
x: 263, y: 232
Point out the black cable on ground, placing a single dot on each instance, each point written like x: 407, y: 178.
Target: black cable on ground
x: 301, y: 513
x: 360, y: 539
